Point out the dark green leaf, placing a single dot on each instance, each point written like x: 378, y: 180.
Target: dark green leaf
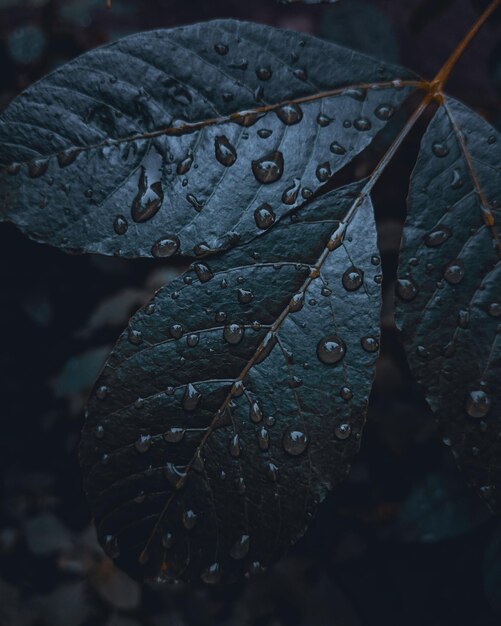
x: 449, y: 291
x: 169, y: 141
x: 234, y: 400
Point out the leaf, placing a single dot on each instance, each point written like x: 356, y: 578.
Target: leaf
x: 236, y: 397
x: 449, y: 291
x: 170, y: 141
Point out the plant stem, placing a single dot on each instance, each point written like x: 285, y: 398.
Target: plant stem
x: 441, y: 78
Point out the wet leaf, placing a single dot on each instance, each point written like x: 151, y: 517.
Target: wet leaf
x: 167, y: 142
x: 449, y: 290
x: 234, y: 400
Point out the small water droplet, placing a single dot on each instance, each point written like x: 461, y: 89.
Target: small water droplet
x: 135, y: 336
x: 167, y: 540
x: 454, y: 272
x: 272, y: 472
x: 494, y: 309
x: 203, y: 272
x: 353, y: 279
x: 296, y: 303
x: 362, y: 124
x: 406, y: 289
x: 384, y: 112
x: 264, y: 73
x: 99, y: 432
x: 457, y: 181
x: 120, y: 225
x: 290, y: 113
x: 337, y: 148
x: 111, y: 546
x: 240, y: 548
x: 165, y: 247
x: 346, y: 393
x: 295, y: 441
x: 463, y: 318
x: 290, y: 194
x: 331, y: 349
x: 323, y: 171
x: 323, y: 120
x: 192, y: 340
x: 255, y: 413
x: 225, y: 151
x: 370, y: 344
x: 212, y: 574
x: 174, y: 435
x: 234, y: 446
x: 176, y: 331
x: 342, y: 431
x: 233, y: 333
x: 437, y: 236
x: 189, y: 519
x: 478, y: 403
x: 143, y: 444
x: 263, y: 438
x: 221, y: 49
x: 264, y: 216
x: 268, y: 168
x: 102, y: 392
x: 264, y: 133
x: 245, y: 296
x: 440, y: 149
x: 191, y: 398
x: 184, y: 166
x: 300, y: 73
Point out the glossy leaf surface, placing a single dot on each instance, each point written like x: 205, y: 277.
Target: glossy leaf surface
x: 168, y: 142
x: 236, y: 397
x: 449, y: 291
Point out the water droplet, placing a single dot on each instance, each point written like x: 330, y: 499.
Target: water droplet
x: 221, y: 49
x: 111, y: 546
x: 264, y: 216
x: 165, y: 247
x: 406, y: 289
x: 234, y: 446
x: 422, y: 352
x: 346, y: 393
x: 135, y: 336
x: 245, y: 296
x: 296, y: 303
x: 463, y: 318
x: 196, y: 204
x: 295, y: 441
x: 176, y: 331
x: 167, y: 540
x: 143, y: 444
x: 67, y: 157
x: 342, y: 431
x: 357, y: 93
x: 353, y: 279
x: 240, y: 548
x: 263, y: 438
x: 255, y: 413
x: 323, y: 171
x: 478, y: 404
x: 437, y: 237
x: 370, y: 344
x: 150, y: 195
x: 192, y: 340
x: 203, y: 272
x: 225, y: 152
x: 439, y: 149
x: 233, y: 333
x: 212, y: 574
x: 494, y: 309
x: 184, y: 166
x: 331, y: 349
x: 290, y: 114
x: 454, y: 272
x: 189, y: 519
x: 120, y: 225
x: 384, y: 112
x: 337, y: 148
x: 272, y: 472
x: 264, y: 133
x: 191, y: 398
x: 102, y: 392
x: 457, y: 181
x: 268, y: 168
x: 362, y: 124
x: 264, y: 73
x: 300, y: 73
x: 323, y: 120
x: 174, y: 435
x: 290, y: 194
x: 220, y: 316
x: 175, y: 476
x: 99, y: 432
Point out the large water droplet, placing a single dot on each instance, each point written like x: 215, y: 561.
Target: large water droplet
x: 331, y: 349
x: 225, y: 151
x: 268, y: 168
x: 165, y: 247
x: 353, y: 278
x: 295, y: 441
x: 264, y: 216
x: 478, y: 403
x: 290, y: 114
x: 191, y: 398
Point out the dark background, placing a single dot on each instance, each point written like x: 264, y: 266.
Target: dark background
x: 404, y: 542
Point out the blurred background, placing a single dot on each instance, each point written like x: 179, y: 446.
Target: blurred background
x: 404, y: 542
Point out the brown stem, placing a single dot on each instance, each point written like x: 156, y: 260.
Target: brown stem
x: 437, y: 84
